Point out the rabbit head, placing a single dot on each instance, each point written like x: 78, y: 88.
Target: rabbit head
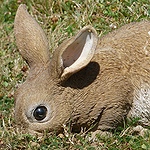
x: 41, y: 102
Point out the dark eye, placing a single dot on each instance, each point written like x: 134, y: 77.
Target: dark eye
x: 40, y: 113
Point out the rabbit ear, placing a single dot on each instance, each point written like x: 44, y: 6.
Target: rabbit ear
x: 77, y: 52
x: 30, y: 38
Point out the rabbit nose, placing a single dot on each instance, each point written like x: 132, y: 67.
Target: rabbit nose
x: 40, y: 113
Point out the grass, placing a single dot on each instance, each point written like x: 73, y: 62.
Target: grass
x: 60, y: 20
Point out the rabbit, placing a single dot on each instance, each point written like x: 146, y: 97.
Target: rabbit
x: 89, y: 82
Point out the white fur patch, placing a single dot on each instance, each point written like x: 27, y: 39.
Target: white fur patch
x: 141, y: 104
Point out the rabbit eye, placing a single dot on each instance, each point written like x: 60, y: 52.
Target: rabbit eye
x: 40, y: 113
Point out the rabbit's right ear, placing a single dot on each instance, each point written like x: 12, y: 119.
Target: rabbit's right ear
x: 76, y: 53
x: 30, y: 38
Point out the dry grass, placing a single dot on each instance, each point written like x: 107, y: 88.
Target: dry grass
x: 60, y: 20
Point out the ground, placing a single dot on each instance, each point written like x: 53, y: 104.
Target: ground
x: 60, y: 20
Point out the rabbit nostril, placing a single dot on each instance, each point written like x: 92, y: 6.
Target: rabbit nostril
x: 40, y: 113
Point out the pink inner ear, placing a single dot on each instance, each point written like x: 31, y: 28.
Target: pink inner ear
x: 79, y: 49
x: 79, y: 53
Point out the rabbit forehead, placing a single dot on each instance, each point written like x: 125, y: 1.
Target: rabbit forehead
x: 35, y: 89
x: 35, y: 92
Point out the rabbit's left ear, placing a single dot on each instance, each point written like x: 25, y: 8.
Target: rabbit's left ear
x: 30, y: 38
x: 77, y: 52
